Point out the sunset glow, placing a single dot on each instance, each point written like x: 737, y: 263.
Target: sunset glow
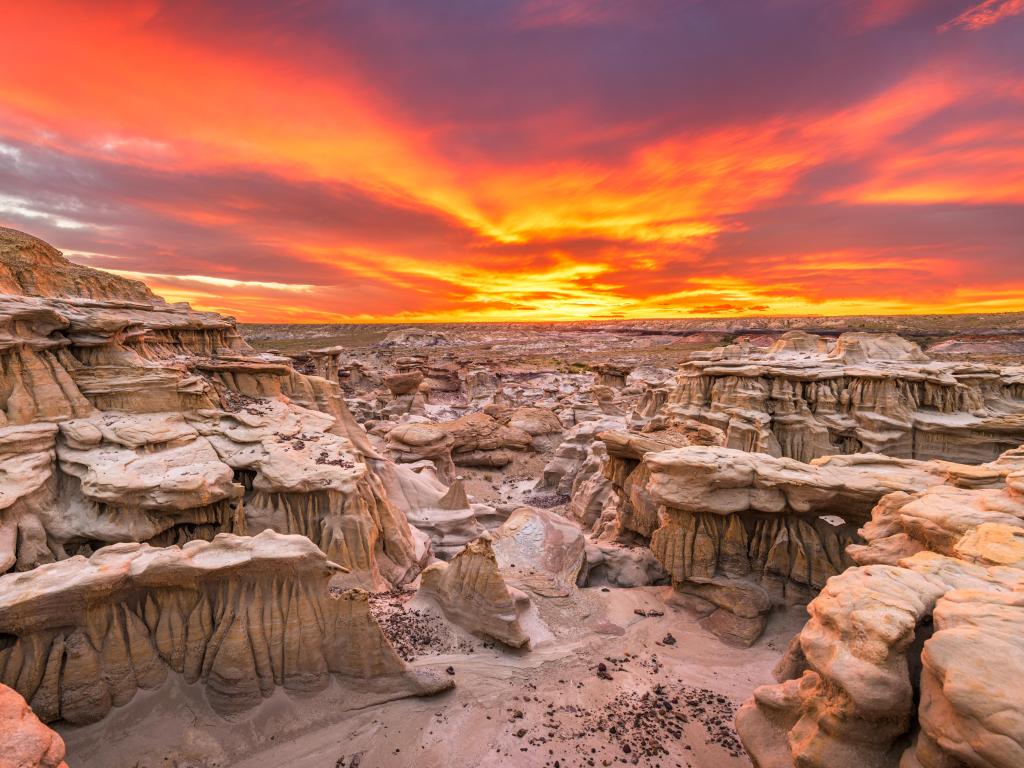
x: 533, y: 160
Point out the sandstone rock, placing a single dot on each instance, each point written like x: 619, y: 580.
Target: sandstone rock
x: 239, y: 615
x: 870, y: 393
x: 416, y: 441
x: 481, y: 441
x: 404, y: 383
x: 471, y: 592
x: 539, y: 552
x: 534, y: 421
x: 30, y: 267
x: 947, y: 625
x: 24, y: 741
x: 572, y: 452
x: 621, y: 566
x: 448, y: 518
x: 170, y: 429
x: 779, y: 528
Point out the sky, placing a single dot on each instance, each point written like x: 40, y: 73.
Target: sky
x: 395, y: 160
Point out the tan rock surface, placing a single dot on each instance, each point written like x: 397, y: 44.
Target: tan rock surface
x: 946, y: 625
x: 471, y: 592
x: 24, y: 741
x: 240, y: 615
x: 806, y: 397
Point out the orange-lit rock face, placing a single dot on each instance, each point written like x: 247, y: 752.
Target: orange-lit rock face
x: 542, y: 159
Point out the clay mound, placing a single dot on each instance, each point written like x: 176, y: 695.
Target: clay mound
x: 30, y: 267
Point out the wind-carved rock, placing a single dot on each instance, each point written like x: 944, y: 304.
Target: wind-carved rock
x: 540, y: 552
x: 444, y: 514
x: 125, y: 418
x: 739, y: 533
x: 239, y: 615
x: 918, y: 663
x: 472, y: 593
x: 573, y: 452
x: 474, y: 440
x: 806, y: 397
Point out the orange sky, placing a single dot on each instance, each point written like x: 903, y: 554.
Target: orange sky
x: 535, y: 160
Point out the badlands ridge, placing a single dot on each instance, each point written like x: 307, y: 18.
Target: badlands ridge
x: 770, y: 547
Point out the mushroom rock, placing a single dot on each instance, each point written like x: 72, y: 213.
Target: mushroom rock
x: 416, y: 441
x: 916, y: 663
x: 611, y: 374
x: 481, y: 441
x: 25, y: 742
x: 471, y: 593
x: 877, y: 393
x: 403, y: 383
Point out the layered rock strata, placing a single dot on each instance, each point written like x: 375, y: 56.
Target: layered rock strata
x: 740, y: 532
x: 806, y: 397
x: 917, y: 663
x: 125, y: 418
x: 239, y: 615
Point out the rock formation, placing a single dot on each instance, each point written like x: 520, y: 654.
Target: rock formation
x: 739, y: 533
x: 444, y: 513
x: 539, y: 552
x: 471, y: 592
x: 130, y: 422
x: 124, y: 418
x: 474, y: 440
x: 806, y: 397
x: 572, y: 453
x: 240, y: 615
x: 917, y: 663
x: 24, y: 741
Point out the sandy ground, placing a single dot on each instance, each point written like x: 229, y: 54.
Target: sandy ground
x: 664, y: 705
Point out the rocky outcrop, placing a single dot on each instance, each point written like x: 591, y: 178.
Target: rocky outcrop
x: 611, y: 374
x: 421, y: 441
x: 125, y: 418
x: 30, y: 267
x: 471, y: 593
x: 741, y: 532
x: 480, y: 440
x: 540, y: 552
x: 806, y: 397
x: 916, y: 663
x: 239, y: 615
x: 24, y: 741
x: 572, y: 453
x: 443, y: 513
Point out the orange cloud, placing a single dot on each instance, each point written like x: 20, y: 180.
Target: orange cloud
x: 557, y: 160
x: 985, y: 14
